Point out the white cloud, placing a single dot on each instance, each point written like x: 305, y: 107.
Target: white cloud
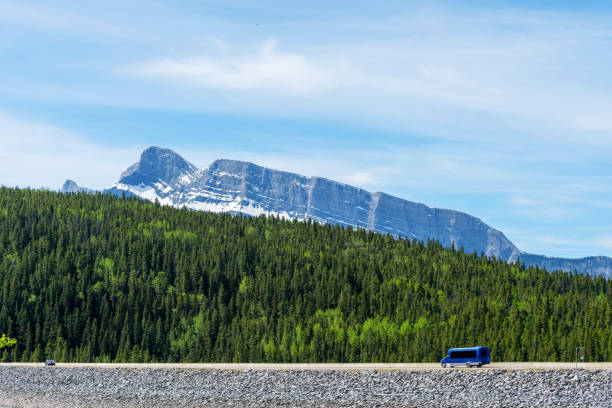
x: 44, y: 17
x: 435, y: 68
x: 424, y: 69
x: 360, y: 178
x: 537, y: 207
x: 267, y: 70
x: 40, y: 155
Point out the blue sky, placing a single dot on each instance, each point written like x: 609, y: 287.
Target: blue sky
x: 499, y: 109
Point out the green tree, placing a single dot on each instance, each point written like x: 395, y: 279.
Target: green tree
x: 98, y: 278
x: 7, y: 341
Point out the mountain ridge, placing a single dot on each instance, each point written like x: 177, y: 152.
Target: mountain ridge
x: 241, y: 187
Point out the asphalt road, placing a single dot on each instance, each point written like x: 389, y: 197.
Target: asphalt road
x: 326, y: 366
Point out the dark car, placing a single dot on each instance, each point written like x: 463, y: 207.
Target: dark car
x: 49, y: 363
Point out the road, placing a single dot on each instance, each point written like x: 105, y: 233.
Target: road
x: 325, y: 366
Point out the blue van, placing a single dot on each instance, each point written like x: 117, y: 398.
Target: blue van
x: 471, y: 356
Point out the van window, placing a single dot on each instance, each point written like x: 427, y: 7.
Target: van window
x: 483, y: 352
x: 463, y: 354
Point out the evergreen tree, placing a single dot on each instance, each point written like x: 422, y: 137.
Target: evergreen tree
x: 98, y: 278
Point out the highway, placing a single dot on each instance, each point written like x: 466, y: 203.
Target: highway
x: 325, y: 366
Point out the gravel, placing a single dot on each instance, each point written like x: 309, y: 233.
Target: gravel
x: 130, y: 387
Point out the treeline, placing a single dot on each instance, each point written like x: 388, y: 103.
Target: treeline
x: 99, y: 278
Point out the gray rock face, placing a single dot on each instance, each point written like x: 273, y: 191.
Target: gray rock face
x: 157, y: 165
x: 72, y: 187
x: 245, y: 188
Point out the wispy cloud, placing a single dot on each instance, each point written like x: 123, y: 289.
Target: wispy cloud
x: 43, y: 17
x: 268, y: 70
x: 535, y: 207
x: 426, y: 68
x: 514, y: 65
x: 360, y: 178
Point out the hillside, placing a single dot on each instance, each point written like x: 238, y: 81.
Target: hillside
x: 98, y: 278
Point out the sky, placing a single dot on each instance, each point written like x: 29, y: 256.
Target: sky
x: 501, y: 109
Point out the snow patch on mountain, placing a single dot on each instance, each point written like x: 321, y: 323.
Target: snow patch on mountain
x: 147, y: 192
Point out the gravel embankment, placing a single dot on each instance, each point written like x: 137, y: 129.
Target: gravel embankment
x: 93, y: 387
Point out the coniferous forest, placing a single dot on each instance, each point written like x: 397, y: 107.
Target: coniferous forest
x: 99, y: 278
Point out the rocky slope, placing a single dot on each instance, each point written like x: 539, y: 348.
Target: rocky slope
x: 245, y: 188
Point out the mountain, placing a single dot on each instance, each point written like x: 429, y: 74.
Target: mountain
x: 245, y: 188
x: 593, y: 265
x: 72, y: 187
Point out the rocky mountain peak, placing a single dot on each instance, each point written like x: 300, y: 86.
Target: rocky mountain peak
x: 157, y: 165
x: 72, y: 187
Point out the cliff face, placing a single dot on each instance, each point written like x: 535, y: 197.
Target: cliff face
x: 242, y: 187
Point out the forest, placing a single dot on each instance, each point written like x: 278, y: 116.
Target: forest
x: 99, y: 278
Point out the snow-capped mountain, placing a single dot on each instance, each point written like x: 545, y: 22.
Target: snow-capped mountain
x: 160, y: 174
x: 241, y: 187
x: 245, y: 188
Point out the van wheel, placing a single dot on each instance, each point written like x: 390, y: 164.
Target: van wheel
x: 468, y: 365
x: 443, y: 365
